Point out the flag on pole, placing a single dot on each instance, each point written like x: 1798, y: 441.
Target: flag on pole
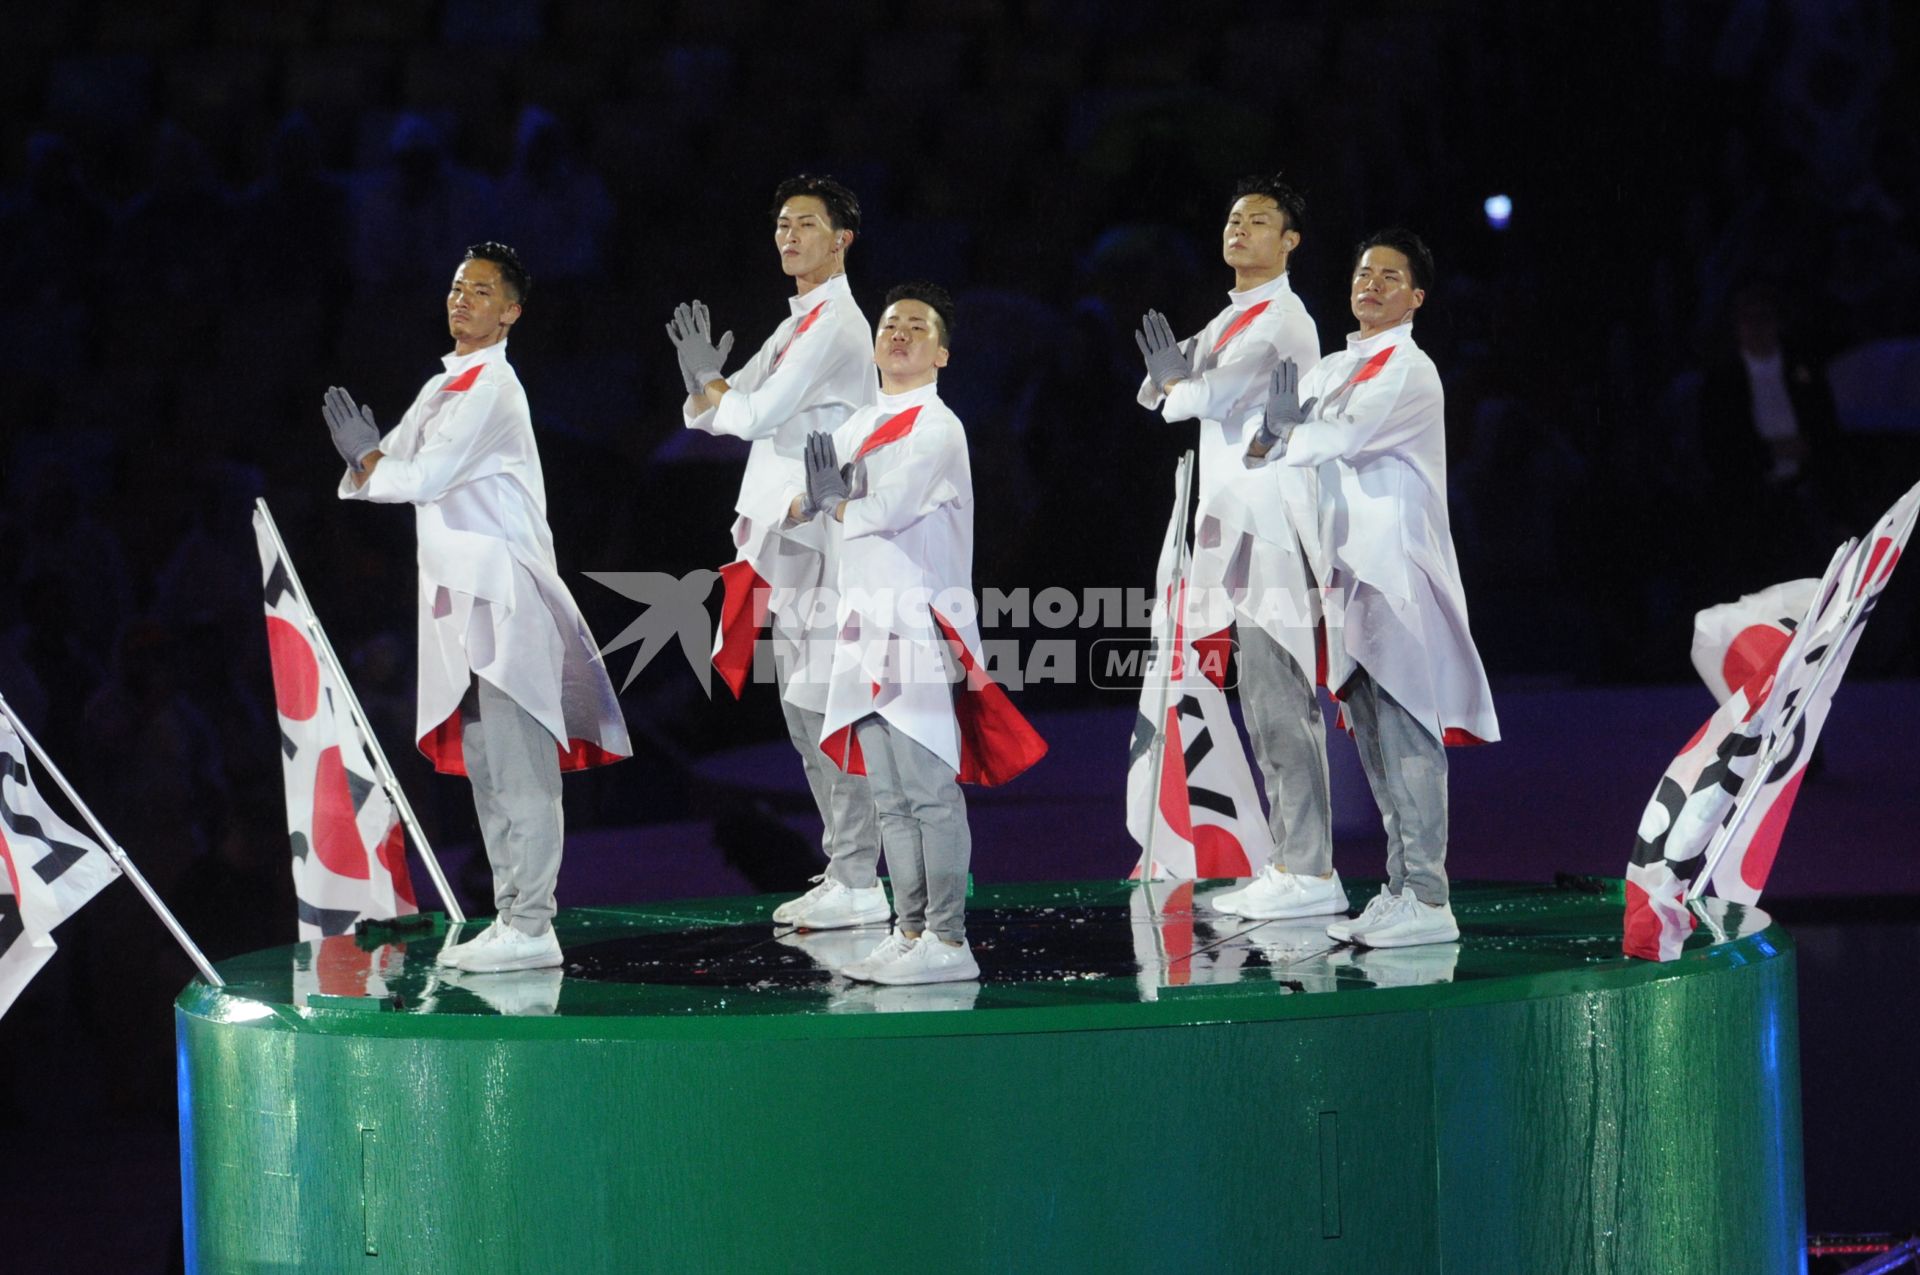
x: 48, y: 870
x: 349, y: 846
x: 1804, y: 683
x: 1197, y: 809
x: 1723, y: 803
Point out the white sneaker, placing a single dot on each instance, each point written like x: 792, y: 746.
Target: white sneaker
x: 1275, y: 895
x: 1414, y: 924
x: 1379, y: 910
x: 887, y: 950
x: 840, y: 907
x: 511, y: 950
x: 449, y: 955
x: 931, y: 960
x: 789, y: 911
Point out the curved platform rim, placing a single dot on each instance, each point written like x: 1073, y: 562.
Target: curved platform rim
x: 1067, y: 1004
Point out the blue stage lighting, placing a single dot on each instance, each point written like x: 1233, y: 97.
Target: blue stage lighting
x: 1499, y: 211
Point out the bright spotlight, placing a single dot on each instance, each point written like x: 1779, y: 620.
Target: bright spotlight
x: 1499, y: 209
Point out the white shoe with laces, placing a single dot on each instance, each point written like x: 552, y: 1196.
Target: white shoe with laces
x: 839, y: 907
x: 511, y: 950
x: 449, y: 954
x: 1414, y: 924
x: 931, y: 960
x: 792, y: 908
x: 886, y: 951
x: 1275, y: 895
x: 1380, y: 909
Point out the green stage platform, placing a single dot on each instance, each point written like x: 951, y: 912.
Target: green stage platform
x: 1125, y: 1090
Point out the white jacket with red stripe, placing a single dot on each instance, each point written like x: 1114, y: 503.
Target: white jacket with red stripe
x: 812, y: 373
x: 908, y: 642
x: 1377, y: 441
x: 492, y: 602
x: 1247, y: 522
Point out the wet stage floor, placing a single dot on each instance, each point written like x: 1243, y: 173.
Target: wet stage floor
x: 1039, y: 945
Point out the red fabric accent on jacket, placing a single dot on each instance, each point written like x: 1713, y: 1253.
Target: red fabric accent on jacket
x: 743, y: 615
x: 464, y: 381
x: 805, y: 323
x: 1370, y: 369
x: 996, y: 742
x: 1212, y: 652
x: 891, y: 430
x: 441, y: 746
x: 1240, y: 321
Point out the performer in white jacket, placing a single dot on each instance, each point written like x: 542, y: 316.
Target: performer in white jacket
x: 1399, y: 650
x: 512, y: 687
x: 813, y: 372
x: 1251, y: 535
x: 910, y: 702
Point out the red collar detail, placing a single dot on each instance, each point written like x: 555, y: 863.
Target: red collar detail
x: 891, y: 430
x: 1240, y: 321
x: 464, y: 381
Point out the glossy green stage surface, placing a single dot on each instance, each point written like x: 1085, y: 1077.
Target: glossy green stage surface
x: 1127, y: 1088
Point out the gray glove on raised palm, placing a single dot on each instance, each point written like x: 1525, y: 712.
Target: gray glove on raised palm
x: 701, y: 361
x: 1284, y: 409
x: 352, y: 427
x: 1167, y: 360
x: 827, y: 483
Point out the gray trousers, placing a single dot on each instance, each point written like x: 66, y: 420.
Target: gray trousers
x: 1407, y: 770
x: 923, y: 823
x: 1290, y: 744
x: 849, y: 837
x: 514, y: 766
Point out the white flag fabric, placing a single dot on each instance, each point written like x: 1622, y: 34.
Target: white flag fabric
x: 349, y: 847
x: 48, y: 870
x: 1735, y: 640
x: 1204, y: 817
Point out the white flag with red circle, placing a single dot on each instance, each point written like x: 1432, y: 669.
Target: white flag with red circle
x: 349, y: 847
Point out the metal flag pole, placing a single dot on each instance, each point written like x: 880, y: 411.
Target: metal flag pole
x: 1789, y: 724
x: 114, y: 851
x: 1176, y: 598
x: 382, y: 770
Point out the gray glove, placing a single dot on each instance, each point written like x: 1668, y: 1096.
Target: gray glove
x: 691, y: 332
x: 827, y: 483
x: 1166, y: 359
x: 352, y: 427
x: 1284, y: 409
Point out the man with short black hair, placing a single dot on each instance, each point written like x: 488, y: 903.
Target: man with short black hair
x: 810, y: 375
x: 512, y: 687
x: 1369, y: 421
x: 1250, y: 538
x: 910, y: 704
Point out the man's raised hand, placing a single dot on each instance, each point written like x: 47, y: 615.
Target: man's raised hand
x: 1167, y: 360
x: 352, y: 427
x: 701, y: 361
x: 1284, y: 410
x: 827, y: 483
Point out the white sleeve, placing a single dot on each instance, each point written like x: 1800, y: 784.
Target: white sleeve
x: 1212, y: 394
x: 914, y: 483
x: 477, y: 438
x: 1381, y: 414
x: 812, y: 360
